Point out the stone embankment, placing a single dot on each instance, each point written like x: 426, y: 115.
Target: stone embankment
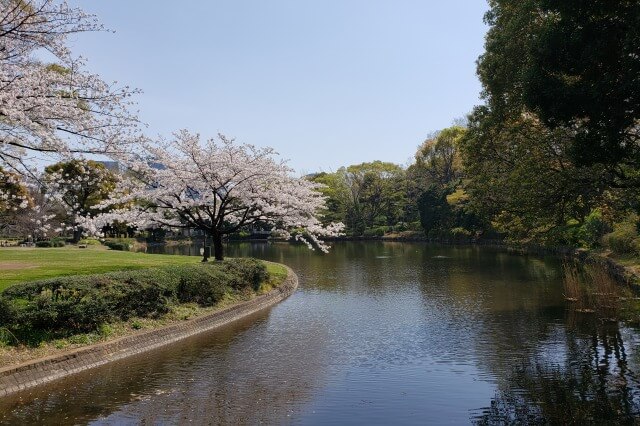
x: 33, y: 373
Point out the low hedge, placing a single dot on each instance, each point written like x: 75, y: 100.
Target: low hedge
x: 118, y: 245
x: 81, y: 303
x: 54, y: 242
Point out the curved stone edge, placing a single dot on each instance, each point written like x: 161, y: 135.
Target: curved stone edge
x: 44, y: 370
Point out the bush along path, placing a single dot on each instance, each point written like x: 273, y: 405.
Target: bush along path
x: 44, y: 317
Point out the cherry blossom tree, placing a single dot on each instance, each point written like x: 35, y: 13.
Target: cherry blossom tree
x: 219, y: 187
x: 49, y: 104
x: 25, y: 209
x: 39, y: 220
x: 14, y: 197
x: 79, y: 185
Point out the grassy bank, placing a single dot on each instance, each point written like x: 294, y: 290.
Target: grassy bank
x: 74, y: 306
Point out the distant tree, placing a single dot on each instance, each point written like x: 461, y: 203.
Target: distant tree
x: 79, y: 186
x: 437, y: 183
x: 435, y: 212
x: 219, y: 187
x: 439, y: 156
x: 335, y: 190
x: 375, y: 194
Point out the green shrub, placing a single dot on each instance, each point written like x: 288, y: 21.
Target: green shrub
x: 90, y: 242
x: 205, y: 286
x: 625, y: 238
x: 591, y: 232
x: 105, y: 330
x: 58, y: 242
x: 400, y: 227
x: 246, y: 273
x: 54, y: 242
x: 120, y: 246
x: 7, y: 312
x: 240, y: 235
x: 375, y: 232
x: 82, y: 303
x: 460, y: 233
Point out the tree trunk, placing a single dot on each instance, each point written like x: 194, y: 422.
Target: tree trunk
x: 218, y: 248
x: 77, y: 235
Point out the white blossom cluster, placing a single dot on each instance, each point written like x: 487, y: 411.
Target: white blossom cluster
x: 11, y: 198
x: 49, y: 105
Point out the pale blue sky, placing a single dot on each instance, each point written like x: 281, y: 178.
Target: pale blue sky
x: 326, y: 83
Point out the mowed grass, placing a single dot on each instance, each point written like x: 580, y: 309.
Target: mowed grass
x: 29, y: 264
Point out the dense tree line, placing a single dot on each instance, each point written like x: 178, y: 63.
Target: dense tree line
x: 429, y: 196
x: 553, y: 156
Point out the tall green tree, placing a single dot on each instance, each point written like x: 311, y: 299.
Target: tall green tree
x: 439, y: 157
x: 523, y: 180
x: 365, y: 195
x: 335, y: 190
x: 575, y: 64
x: 375, y: 194
x: 438, y: 186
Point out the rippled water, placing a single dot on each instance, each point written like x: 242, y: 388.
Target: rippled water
x: 378, y: 333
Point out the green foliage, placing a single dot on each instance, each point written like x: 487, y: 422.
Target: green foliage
x: 365, y: 195
x: 246, y: 273
x: 592, y: 229
x: 438, y: 158
x: 90, y: 242
x: 625, y: 238
x: 522, y: 180
x: 377, y: 231
x: 572, y: 63
x: 552, y: 157
x: 204, y: 286
x: 118, y: 244
x: 54, y: 242
x: 240, y: 235
x: 435, y: 212
x: 105, y: 330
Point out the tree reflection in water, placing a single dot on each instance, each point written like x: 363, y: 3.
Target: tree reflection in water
x: 595, y: 379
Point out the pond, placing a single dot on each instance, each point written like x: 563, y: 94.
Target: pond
x: 377, y: 333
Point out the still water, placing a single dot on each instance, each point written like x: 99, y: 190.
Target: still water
x: 377, y: 333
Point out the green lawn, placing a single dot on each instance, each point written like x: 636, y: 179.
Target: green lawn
x: 29, y: 264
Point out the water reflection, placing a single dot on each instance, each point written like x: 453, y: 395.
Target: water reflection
x: 587, y: 379
x: 378, y: 333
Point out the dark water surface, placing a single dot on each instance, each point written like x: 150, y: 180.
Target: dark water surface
x: 377, y: 333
